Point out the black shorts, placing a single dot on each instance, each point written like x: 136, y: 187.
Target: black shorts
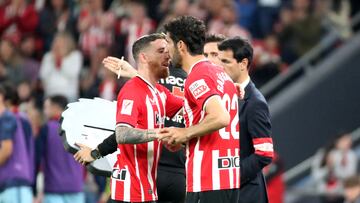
x: 171, y: 187
x: 215, y: 196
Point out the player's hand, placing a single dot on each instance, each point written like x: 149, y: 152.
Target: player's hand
x: 83, y: 156
x: 173, y: 136
x: 115, y: 64
x: 240, y: 91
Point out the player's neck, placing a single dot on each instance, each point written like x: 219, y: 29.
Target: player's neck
x: 189, y: 60
x: 149, y: 77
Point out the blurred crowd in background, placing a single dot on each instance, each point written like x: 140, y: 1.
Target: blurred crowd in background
x: 56, y: 47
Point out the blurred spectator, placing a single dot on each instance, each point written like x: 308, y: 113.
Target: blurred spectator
x: 246, y: 14
x: 338, y: 14
x: 16, y: 176
x: 267, y: 60
x: 331, y: 166
x: 30, y: 65
x: 287, y: 50
x: 63, y: 176
x: 99, y: 81
x: 55, y: 17
x: 352, y: 189
x: 267, y: 14
x: 17, y: 17
x: 293, y: 38
x: 226, y: 24
x: 176, y: 9
x: 136, y: 25
x: 11, y: 62
x: 275, y: 184
x: 344, y: 157
x: 60, y: 68
x: 95, y: 25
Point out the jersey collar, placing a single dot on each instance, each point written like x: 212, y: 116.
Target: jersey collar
x: 147, y: 82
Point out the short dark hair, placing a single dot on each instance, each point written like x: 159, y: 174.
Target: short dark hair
x: 59, y: 101
x: 214, y: 38
x: 11, y: 94
x: 241, y: 49
x: 143, y: 42
x: 189, y: 30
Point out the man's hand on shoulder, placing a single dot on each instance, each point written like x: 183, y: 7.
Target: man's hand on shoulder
x: 115, y: 64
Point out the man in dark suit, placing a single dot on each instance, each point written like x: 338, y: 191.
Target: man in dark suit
x: 256, y: 147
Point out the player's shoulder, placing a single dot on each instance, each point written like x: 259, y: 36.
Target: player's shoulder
x: 134, y: 88
x: 133, y: 85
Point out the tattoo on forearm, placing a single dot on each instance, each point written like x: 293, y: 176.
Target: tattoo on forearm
x: 126, y: 135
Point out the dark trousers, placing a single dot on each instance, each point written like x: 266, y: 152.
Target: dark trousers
x: 215, y: 196
x: 171, y: 187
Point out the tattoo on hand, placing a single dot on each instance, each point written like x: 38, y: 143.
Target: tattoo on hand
x: 126, y: 135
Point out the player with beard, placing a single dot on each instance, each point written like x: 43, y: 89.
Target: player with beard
x: 141, y: 109
x: 171, y: 181
x: 211, y: 114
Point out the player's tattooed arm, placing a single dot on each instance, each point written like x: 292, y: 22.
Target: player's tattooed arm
x: 127, y: 135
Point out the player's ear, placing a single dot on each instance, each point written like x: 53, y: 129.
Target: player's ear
x: 142, y: 58
x: 181, y: 46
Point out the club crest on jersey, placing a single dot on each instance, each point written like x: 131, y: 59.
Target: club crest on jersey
x: 228, y: 162
x: 126, y: 107
x: 199, y: 88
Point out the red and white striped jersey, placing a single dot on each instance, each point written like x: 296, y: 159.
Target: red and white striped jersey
x: 213, y: 161
x: 140, y: 105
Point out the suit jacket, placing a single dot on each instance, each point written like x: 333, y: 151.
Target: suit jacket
x: 256, y: 149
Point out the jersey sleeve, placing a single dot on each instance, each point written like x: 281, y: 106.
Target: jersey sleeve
x: 200, y: 88
x: 128, y: 107
x: 173, y: 103
x: 8, y: 128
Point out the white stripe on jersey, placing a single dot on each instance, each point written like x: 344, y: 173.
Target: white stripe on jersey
x: 150, y: 113
x: 187, y: 154
x: 231, y: 170
x: 150, y: 159
x: 188, y: 112
x: 127, y: 185
x: 157, y: 158
x: 198, y: 156
x: 113, y: 188
x: 215, y: 170
x: 237, y: 170
x: 138, y: 175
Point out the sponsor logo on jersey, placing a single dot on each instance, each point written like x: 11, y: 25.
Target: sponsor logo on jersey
x: 119, y: 174
x: 159, y: 120
x: 172, y: 80
x: 199, y: 88
x: 228, y: 162
x: 126, y: 107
